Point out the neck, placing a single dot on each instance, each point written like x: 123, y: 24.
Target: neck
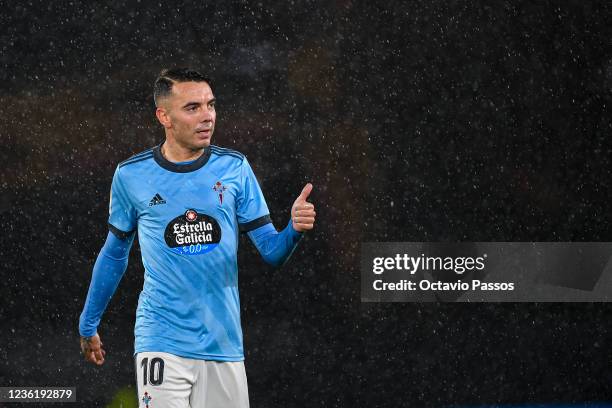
x: 175, y: 153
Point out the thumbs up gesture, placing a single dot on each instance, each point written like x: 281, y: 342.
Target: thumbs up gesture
x: 302, y: 212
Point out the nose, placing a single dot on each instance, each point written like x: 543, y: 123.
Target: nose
x: 206, y: 115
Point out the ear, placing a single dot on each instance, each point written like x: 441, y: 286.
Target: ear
x: 163, y: 117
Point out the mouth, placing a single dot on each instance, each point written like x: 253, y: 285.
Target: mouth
x: 204, y: 132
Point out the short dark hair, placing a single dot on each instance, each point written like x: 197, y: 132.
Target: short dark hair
x: 167, y: 78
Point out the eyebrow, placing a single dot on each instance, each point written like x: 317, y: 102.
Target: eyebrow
x: 213, y: 100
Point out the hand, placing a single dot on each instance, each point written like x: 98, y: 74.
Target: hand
x: 302, y: 212
x: 92, y: 349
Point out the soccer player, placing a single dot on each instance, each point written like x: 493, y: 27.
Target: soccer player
x: 188, y: 200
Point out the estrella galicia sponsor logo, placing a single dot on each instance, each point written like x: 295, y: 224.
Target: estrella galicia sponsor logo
x: 193, y: 233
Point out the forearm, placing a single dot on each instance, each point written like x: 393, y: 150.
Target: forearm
x: 275, y: 247
x: 107, y: 272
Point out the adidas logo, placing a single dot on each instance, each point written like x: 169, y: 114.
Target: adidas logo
x: 156, y: 200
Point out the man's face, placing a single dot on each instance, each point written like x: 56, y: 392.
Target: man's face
x: 190, y: 114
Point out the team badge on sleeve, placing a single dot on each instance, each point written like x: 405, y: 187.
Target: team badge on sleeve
x: 219, y: 188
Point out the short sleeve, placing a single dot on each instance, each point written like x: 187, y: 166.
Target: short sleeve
x: 122, y: 214
x: 252, y: 211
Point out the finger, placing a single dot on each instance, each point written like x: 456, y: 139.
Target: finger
x: 305, y: 213
x: 304, y: 227
x: 304, y: 220
x: 304, y: 206
x: 99, y: 359
x: 90, y: 357
x: 305, y: 192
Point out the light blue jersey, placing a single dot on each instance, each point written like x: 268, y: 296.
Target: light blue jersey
x: 188, y: 219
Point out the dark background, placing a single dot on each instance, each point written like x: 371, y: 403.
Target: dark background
x: 415, y: 121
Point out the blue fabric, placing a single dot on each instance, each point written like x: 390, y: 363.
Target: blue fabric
x: 107, y: 272
x: 188, y: 225
x: 275, y: 247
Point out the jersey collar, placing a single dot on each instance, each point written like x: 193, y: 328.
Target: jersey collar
x: 180, y: 168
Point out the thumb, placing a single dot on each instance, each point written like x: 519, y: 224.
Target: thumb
x: 305, y: 192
